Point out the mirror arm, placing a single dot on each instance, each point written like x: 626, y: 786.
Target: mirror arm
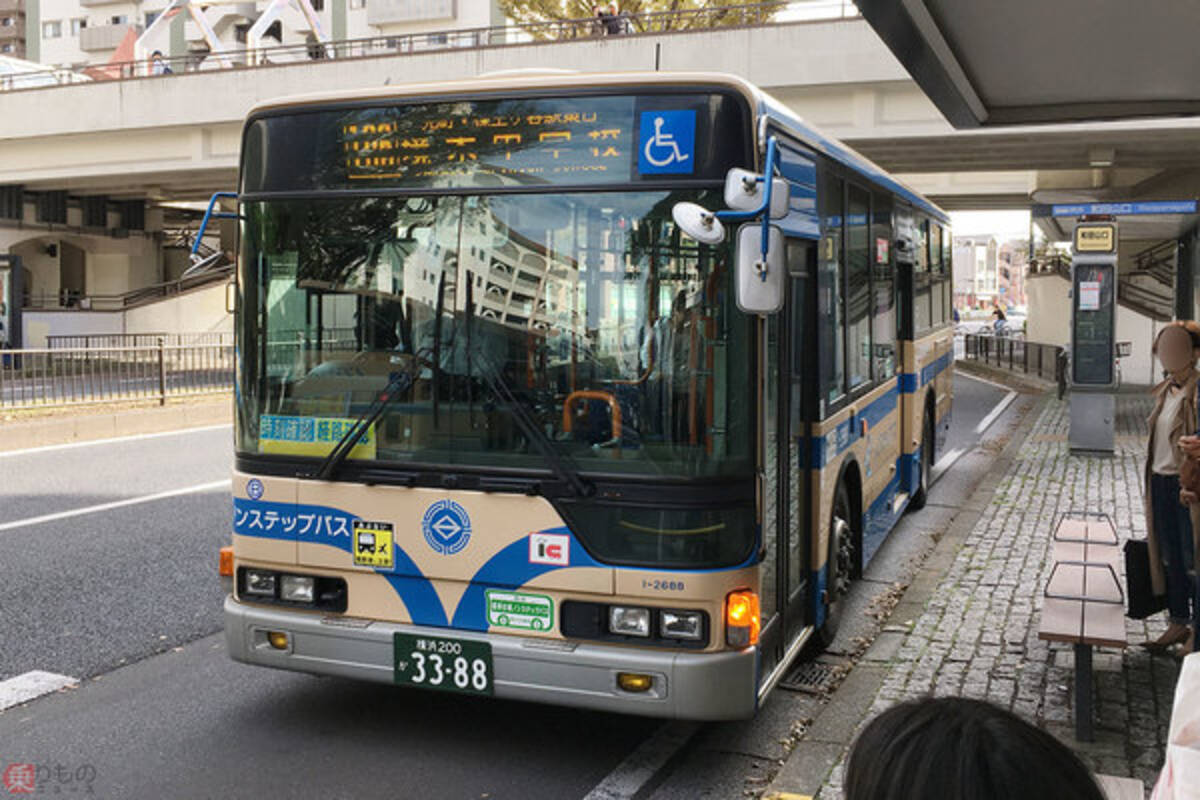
x: 772, y: 162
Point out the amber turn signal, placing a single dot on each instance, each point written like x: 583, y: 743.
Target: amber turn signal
x: 225, y: 563
x: 742, y: 620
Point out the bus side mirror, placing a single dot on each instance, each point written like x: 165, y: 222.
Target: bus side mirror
x: 760, y: 283
x: 744, y: 192
x: 230, y: 297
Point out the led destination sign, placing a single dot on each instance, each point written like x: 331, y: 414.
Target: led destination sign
x: 506, y: 140
x: 584, y: 140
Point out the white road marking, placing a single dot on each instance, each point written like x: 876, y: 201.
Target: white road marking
x: 995, y: 413
x: 131, y: 438
x: 643, y: 763
x: 130, y: 501
x: 31, y: 685
x: 945, y: 462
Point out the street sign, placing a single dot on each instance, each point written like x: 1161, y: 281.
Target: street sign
x: 1096, y: 237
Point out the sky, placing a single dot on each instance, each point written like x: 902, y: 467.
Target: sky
x: 1002, y: 224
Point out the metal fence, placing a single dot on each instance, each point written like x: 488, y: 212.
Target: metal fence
x: 87, y: 341
x: 432, y: 41
x: 59, y: 376
x: 1015, y: 354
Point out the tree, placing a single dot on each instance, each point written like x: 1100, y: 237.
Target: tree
x: 644, y: 15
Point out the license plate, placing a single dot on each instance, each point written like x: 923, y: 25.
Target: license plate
x: 448, y: 665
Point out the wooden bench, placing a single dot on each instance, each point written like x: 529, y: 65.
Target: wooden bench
x: 1084, y: 603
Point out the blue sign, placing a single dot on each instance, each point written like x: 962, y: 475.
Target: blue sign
x: 254, y: 489
x: 446, y: 526
x: 667, y: 142
x: 1124, y: 209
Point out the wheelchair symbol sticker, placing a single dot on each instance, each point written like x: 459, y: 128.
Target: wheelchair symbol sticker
x: 667, y: 142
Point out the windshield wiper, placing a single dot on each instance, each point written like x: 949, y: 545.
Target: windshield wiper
x: 341, y: 451
x: 564, y: 471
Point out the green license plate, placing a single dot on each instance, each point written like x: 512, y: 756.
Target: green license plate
x: 448, y: 665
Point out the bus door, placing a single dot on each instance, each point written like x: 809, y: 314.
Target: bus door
x: 785, y: 526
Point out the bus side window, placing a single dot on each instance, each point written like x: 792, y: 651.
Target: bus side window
x: 883, y: 306
x: 937, y: 278
x: 922, y: 314
x: 858, y: 288
x: 830, y: 340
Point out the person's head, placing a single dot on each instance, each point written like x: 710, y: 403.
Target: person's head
x: 957, y: 749
x: 156, y: 55
x: 1177, y: 346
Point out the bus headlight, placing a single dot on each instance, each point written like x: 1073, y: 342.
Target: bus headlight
x: 297, y: 588
x: 682, y: 625
x: 742, y: 621
x: 628, y: 621
x: 260, y: 582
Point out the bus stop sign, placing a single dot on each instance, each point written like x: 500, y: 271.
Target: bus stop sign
x: 1093, y: 336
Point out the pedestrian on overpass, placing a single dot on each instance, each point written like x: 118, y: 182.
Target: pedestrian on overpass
x: 1172, y: 514
x: 158, y: 64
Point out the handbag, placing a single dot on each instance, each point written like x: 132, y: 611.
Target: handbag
x: 1189, y: 469
x: 1139, y: 588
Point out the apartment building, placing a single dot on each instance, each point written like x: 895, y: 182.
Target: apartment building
x: 12, y: 28
x: 73, y: 33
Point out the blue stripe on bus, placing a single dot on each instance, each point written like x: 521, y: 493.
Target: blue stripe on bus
x: 849, y: 430
x: 510, y: 568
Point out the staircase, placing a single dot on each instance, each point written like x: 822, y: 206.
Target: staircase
x: 1149, y: 287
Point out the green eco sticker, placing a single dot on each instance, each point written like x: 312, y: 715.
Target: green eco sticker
x: 524, y: 612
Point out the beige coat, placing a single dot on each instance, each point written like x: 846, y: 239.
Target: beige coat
x: 1184, y: 425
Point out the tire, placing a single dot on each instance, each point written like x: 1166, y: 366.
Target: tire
x: 921, y: 496
x: 843, y: 551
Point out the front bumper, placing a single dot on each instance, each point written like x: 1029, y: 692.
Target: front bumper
x: 702, y: 686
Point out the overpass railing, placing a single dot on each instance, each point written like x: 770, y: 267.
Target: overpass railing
x: 50, y: 377
x: 567, y: 30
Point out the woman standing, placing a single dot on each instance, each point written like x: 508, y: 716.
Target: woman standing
x: 1173, y: 516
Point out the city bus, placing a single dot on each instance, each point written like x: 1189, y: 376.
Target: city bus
x: 517, y: 417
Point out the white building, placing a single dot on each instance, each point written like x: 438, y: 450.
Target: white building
x: 72, y: 33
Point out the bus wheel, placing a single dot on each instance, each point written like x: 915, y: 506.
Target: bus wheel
x: 841, y: 564
x: 927, y: 437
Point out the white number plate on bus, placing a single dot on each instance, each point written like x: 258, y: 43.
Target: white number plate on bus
x: 450, y: 665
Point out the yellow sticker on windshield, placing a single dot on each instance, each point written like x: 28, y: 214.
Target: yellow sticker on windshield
x: 310, y: 436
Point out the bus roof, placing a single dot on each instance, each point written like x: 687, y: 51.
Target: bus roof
x: 763, y: 104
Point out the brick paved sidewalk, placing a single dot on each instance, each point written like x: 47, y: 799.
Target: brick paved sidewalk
x: 977, y: 636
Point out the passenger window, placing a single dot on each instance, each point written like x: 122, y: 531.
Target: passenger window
x: 829, y: 292
x: 883, y: 308
x: 922, y: 316
x: 858, y: 289
x: 937, y: 278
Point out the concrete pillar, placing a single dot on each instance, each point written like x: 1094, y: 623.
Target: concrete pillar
x: 338, y: 11
x: 178, y: 35
x: 33, y: 30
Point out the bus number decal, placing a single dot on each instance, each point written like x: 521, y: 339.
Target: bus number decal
x: 663, y: 586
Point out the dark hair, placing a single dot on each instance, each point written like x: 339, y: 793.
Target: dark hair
x: 957, y: 749
x: 156, y: 53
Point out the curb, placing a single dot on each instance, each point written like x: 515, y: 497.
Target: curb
x: 83, y: 427
x: 810, y: 763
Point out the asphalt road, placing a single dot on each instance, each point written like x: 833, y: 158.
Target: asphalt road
x: 126, y: 597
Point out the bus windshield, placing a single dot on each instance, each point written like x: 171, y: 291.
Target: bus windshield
x: 586, y: 315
